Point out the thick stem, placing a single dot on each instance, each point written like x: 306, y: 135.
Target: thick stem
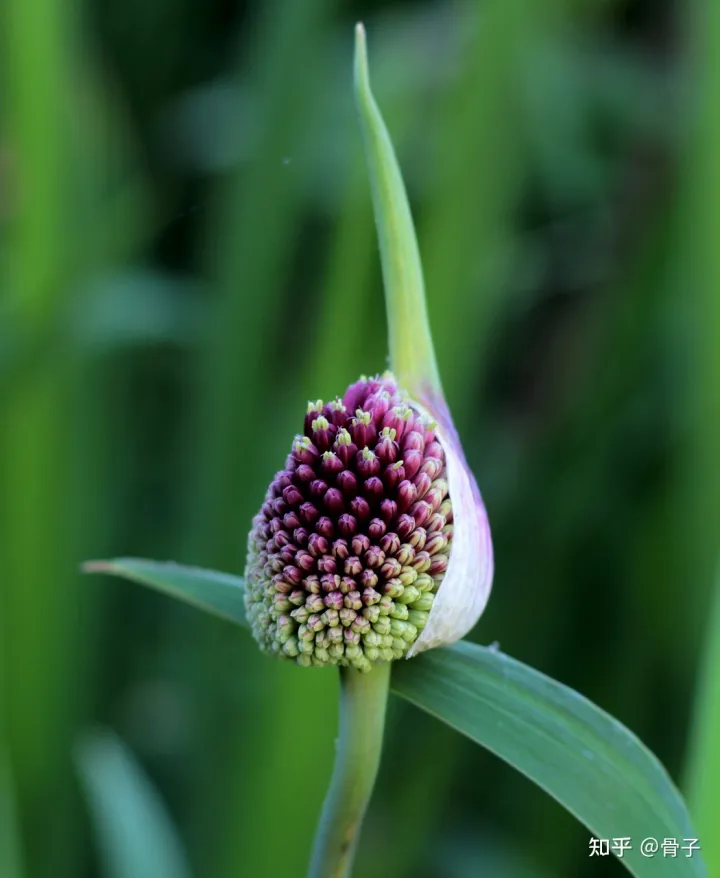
x: 363, y: 699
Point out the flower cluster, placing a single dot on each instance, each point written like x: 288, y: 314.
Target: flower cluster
x: 348, y: 551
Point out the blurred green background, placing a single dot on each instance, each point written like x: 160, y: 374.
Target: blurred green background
x: 187, y: 255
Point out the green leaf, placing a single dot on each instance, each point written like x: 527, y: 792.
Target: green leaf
x: 588, y: 761
x: 217, y: 593
x: 412, y: 355
x: 704, y: 760
x: 135, y: 833
x: 594, y: 766
x: 9, y: 832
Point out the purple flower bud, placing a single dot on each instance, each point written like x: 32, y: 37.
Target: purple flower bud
x: 357, y: 393
x: 334, y: 600
x: 331, y: 464
x: 327, y: 564
x: 293, y: 575
x: 344, y: 447
x: 333, y: 502
x: 397, y: 419
x: 436, y: 494
x: 347, y: 482
x: 281, y: 538
x: 387, y: 449
x: 282, y: 480
x: 291, y: 520
x: 352, y: 566
x: 412, y: 461
x: 388, y: 510
x: 314, y: 410
x: 393, y: 475
x: 360, y: 544
x: 421, y: 512
x: 325, y: 527
x: 431, y: 466
x: 436, y: 543
x: 422, y: 561
x: 340, y: 549
x: 405, y: 554
x: 390, y: 543
x: 391, y: 567
x: 347, y: 584
x: 330, y: 582
x: 279, y: 506
x: 353, y: 550
x: 376, y: 528
x: 367, y: 463
x: 423, y: 483
x: 406, y: 495
x: 347, y: 525
x: 317, y: 545
x: 304, y: 451
x: 360, y: 508
x: 370, y: 597
x: 373, y: 489
x: 413, y: 441
x: 322, y: 432
x: 404, y: 526
x: 368, y: 578
x: 305, y: 560
x: 335, y: 412
x: 377, y: 404
x: 362, y: 429
x: 438, y: 565
x: 308, y: 513
x: 318, y: 489
x: 374, y: 557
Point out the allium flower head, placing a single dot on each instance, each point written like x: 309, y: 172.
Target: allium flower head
x: 349, y: 552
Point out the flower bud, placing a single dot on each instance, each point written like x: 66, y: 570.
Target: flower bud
x: 372, y: 544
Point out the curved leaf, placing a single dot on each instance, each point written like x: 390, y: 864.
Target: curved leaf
x: 412, y: 356
x: 217, y: 593
x: 135, y: 833
x: 9, y: 835
x: 587, y: 760
x: 594, y: 766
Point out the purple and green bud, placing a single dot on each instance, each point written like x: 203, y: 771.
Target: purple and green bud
x: 350, y: 547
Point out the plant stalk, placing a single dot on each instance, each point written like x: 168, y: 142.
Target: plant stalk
x: 363, y: 699
x: 412, y: 354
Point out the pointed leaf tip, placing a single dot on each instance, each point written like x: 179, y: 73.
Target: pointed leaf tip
x: 412, y: 355
x: 361, y: 63
x: 220, y: 594
x: 96, y: 567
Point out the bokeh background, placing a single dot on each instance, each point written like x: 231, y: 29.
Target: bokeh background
x: 187, y: 255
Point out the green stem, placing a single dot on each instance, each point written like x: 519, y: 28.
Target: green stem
x: 363, y: 698
x: 412, y: 354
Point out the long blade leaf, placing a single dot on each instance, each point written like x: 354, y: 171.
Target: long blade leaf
x: 587, y: 760
x: 9, y: 836
x: 135, y: 833
x: 411, y: 349
x: 219, y: 594
x: 580, y: 755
